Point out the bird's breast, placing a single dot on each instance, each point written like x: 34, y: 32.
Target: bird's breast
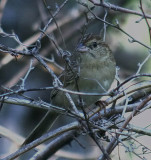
x: 97, y: 76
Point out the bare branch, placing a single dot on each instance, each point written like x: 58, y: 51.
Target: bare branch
x: 117, y: 8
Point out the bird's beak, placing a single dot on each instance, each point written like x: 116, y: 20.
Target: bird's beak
x: 82, y: 49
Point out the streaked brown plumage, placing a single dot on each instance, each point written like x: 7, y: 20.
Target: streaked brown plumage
x: 91, y: 69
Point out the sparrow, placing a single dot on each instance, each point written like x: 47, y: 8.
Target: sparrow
x: 91, y: 69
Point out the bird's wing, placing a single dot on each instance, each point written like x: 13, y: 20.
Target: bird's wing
x: 69, y: 76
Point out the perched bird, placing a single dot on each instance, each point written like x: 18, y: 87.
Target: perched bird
x: 91, y: 69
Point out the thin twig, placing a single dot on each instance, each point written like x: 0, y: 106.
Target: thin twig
x: 114, y: 140
x: 117, y: 8
x: 45, y: 3
x: 144, y: 16
x: 22, y: 86
x: 117, y: 26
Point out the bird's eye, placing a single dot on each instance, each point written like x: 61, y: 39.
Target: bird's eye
x: 94, y: 44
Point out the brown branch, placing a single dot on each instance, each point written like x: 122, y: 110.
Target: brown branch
x: 114, y: 140
x: 44, y: 138
x: 130, y: 78
x: 144, y: 15
x: 55, y: 145
x: 117, y: 8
